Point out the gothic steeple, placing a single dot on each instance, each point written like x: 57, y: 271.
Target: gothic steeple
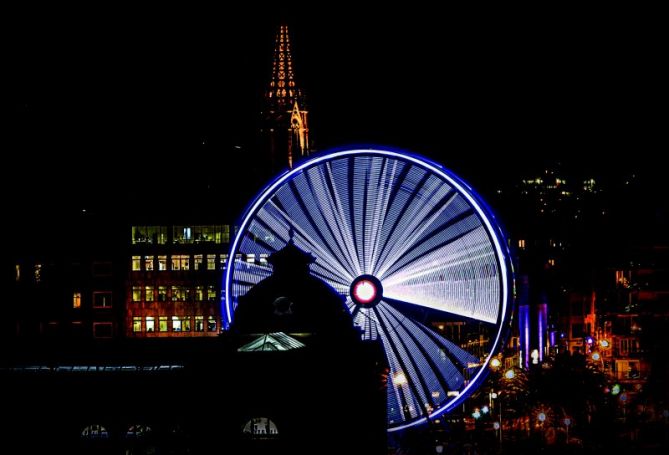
x: 285, y: 119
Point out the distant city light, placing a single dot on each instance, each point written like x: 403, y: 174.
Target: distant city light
x: 399, y: 378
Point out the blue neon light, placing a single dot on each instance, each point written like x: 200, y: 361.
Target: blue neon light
x: 422, y: 232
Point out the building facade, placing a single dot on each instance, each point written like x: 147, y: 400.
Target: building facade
x: 175, y: 279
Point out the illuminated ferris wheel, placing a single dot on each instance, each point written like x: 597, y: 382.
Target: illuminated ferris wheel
x: 421, y: 261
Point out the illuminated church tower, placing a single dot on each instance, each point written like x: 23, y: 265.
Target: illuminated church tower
x: 285, y: 127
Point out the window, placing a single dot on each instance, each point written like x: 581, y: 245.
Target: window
x: 102, y: 300
x: 521, y: 244
x: 102, y: 329
x: 136, y: 263
x: 156, y: 235
x: 148, y: 293
x: 180, y: 293
x: 95, y: 432
x: 38, y: 273
x: 211, y: 262
x: 250, y: 258
x: 136, y: 293
x: 223, y: 260
x: 199, y: 323
x: 76, y: 300
x: 263, y: 258
x: 150, y: 323
x: 136, y: 324
x: 162, y: 293
x: 176, y: 324
x: 181, y: 323
x: 211, y: 293
x: 211, y: 324
x: 180, y: 262
x: 197, y: 262
x: 162, y: 263
x: 199, y: 293
x: 162, y: 323
x: 148, y: 263
x: 18, y: 272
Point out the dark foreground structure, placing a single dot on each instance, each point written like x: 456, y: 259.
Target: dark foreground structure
x: 293, y: 379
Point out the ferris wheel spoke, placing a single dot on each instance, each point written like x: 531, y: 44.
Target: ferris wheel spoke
x: 450, y: 358
x: 313, y: 190
x: 399, y: 205
x: 466, y: 284
x: 410, y: 388
x: 449, y: 232
x: 325, y: 197
x: 427, y: 213
x: 381, y: 204
x: 437, y: 375
x: 303, y: 238
x: 314, y: 217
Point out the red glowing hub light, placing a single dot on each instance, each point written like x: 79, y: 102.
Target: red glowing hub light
x: 366, y: 290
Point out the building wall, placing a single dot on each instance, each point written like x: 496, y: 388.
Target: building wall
x: 174, y: 280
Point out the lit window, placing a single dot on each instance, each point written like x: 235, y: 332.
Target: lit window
x: 162, y: 323
x: 199, y: 293
x: 185, y: 323
x: 18, y: 272
x: 162, y: 263
x: 148, y: 263
x: 223, y: 260
x: 211, y: 324
x: 95, y: 432
x: 136, y: 263
x: 250, y: 258
x: 551, y: 262
x: 197, y: 262
x: 521, y: 244
x: 179, y: 293
x: 211, y: 292
x: 136, y: 324
x: 102, y: 299
x: 162, y: 293
x: 76, y: 300
x: 148, y: 293
x: 38, y: 273
x: 263, y: 258
x: 136, y: 293
x: 176, y: 324
x: 150, y: 323
x: 199, y: 323
x: 211, y: 262
x: 156, y: 235
x: 180, y: 262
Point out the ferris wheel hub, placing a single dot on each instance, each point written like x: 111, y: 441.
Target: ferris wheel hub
x: 366, y: 291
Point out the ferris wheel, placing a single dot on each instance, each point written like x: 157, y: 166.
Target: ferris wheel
x: 422, y: 263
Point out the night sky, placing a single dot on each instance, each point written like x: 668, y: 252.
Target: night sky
x: 102, y: 100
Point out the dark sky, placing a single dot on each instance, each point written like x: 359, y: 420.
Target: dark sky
x: 106, y: 96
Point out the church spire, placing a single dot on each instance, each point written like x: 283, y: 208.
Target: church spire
x: 285, y: 119
x: 283, y: 91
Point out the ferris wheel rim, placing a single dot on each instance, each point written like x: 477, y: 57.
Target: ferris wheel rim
x: 483, y: 212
